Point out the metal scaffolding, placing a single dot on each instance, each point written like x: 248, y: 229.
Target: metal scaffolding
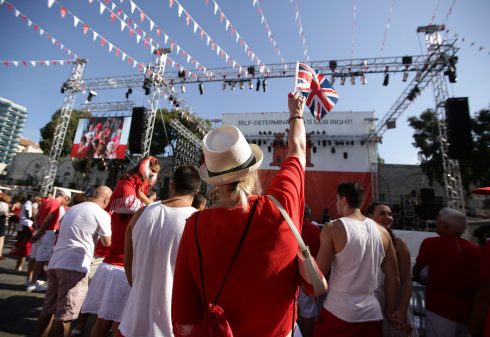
x: 70, y: 88
x: 187, y: 147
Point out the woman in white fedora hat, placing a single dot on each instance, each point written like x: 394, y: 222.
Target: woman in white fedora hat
x: 240, y: 254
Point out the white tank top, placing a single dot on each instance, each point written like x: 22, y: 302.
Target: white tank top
x: 354, y: 273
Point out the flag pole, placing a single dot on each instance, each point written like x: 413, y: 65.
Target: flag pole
x: 296, y: 77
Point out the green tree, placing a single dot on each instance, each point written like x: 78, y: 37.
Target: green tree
x: 474, y: 170
x: 47, y: 132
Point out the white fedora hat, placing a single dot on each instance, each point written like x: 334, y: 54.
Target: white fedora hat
x: 228, y: 157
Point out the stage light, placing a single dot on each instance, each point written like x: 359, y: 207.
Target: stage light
x: 250, y: 85
x: 264, y: 85
x: 241, y: 85
x: 363, y: 79
x: 405, y: 76
x: 407, y: 60
x: 147, y: 86
x: 63, y: 88
x: 333, y: 65
x: 324, y: 143
x: 251, y: 71
x: 232, y: 85
x: 342, y: 79
x: 129, y: 92
x: 386, y: 79
x: 257, y: 87
x: 259, y: 142
x: 332, y: 150
x: 353, y: 80
x: 346, y: 155
x: 182, y: 88
x: 91, y: 95
x: 418, y: 76
x: 224, y: 85
x: 201, y: 88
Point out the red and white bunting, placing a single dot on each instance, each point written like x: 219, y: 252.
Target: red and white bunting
x: 116, y: 13
x: 36, y: 27
x: 299, y: 24
x: 182, y: 10
x: 264, y: 22
x: 34, y: 63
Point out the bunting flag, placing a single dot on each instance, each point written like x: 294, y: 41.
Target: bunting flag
x: 116, y: 13
x: 264, y: 22
x: 299, y: 24
x: 465, y: 40
x: 224, y: 55
x: 354, y: 15
x: 34, y: 63
x: 38, y: 28
x: 233, y: 31
x: 387, y: 27
x: 95, y: 36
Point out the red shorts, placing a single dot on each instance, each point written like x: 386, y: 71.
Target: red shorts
x: 331, y: 326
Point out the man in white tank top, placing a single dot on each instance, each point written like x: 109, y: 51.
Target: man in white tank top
x: 150, y: 250
x: 354, y: 249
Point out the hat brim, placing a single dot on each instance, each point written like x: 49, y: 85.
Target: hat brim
x: 228, y: 178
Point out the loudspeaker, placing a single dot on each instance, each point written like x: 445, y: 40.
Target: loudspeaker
x: 137, y: 130
x: 427, y: 204
x: 458, y: 128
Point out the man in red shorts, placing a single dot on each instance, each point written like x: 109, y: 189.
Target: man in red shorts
x: 355, y: 250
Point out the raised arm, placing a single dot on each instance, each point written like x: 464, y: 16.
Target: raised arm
x: 297, y: 134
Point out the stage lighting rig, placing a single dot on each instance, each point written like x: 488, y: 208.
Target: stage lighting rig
x: 201, y: 88
x: 386, y: 79
x: 257, y: 87
x: 264, y: 85
x: 147, y: 86
x: 129, y: 92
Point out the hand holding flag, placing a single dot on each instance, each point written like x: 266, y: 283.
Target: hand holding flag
x: 321, y: 97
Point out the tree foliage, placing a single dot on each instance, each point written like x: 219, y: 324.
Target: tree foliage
x: 474, y: 170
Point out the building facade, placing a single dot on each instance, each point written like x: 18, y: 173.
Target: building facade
x: 12, y: 120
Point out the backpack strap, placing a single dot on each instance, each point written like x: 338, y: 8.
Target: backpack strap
x: 237, y: 250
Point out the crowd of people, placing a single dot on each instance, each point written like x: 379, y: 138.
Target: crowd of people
x: 180, y: 266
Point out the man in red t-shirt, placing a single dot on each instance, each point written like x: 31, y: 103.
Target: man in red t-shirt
x: 453, y: 265
x: 48, y: 219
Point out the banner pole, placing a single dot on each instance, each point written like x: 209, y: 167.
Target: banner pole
x: 296, y: 77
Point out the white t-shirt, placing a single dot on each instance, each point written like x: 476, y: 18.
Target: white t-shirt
x: 80, y: 226
x: 156, y: 239
x: 26, y: 214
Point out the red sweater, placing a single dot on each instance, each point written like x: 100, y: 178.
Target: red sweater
x: 259, y: 295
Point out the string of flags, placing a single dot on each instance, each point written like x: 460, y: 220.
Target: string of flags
x: 116, y: 13
x: 354, y: 17
x: 387, y: 27
x: 34, y: 63
x: 264, y: 22
x: 210, y: 42
x: 234, y: 32
x: 37, y: 28
x: 299, y: 24
x: 96, y: 36
x: 471, y: 43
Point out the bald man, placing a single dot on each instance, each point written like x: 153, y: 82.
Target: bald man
x: 81, y: 227
x: 453, y: 265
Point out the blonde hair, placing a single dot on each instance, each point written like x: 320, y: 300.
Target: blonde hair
x: 242, y: 189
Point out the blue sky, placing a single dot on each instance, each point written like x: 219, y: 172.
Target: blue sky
x: 328, y: 28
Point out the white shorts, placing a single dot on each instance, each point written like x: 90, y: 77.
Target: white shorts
x: 107, y: 293
x: 438, y: 326
x: 42, y: 248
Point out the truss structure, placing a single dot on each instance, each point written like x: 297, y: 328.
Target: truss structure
x: 429, y: 69
x: 108, y: 106
x: 70, y: 87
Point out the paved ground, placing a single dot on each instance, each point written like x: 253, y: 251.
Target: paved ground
x: 19, y: 309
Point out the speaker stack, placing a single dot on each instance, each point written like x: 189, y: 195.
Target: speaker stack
x: 137, y: 130
x: 458, y: 125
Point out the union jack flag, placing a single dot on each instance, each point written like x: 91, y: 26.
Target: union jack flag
x: 320, y: 96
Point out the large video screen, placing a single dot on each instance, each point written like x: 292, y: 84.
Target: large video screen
x: 101, y: 137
